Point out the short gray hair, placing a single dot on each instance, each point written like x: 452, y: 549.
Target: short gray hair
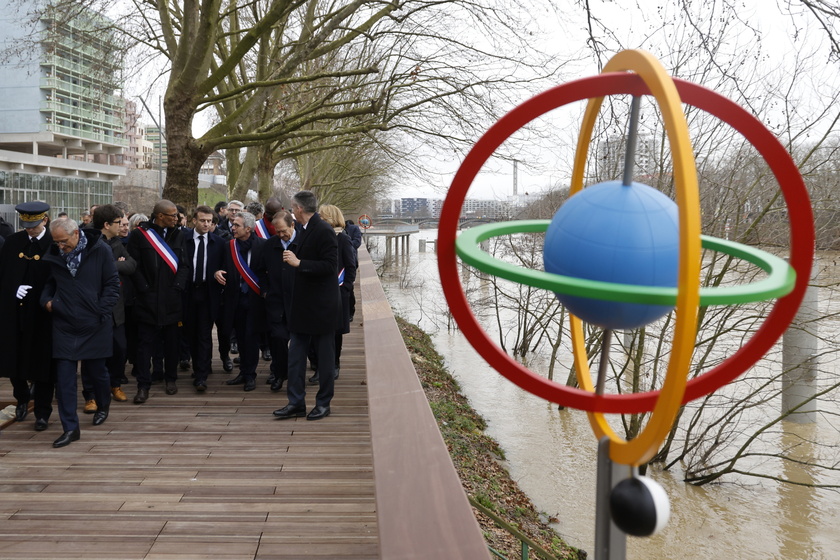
x: 69, y: 225
x: 248, y: 219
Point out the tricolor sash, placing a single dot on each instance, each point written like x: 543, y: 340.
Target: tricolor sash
x: 341, y: 277
x: 261, y: 230
x: 161, y: 248
x: 244, y: 270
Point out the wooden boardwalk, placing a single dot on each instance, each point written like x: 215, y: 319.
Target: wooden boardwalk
x: 214, y: 476
x: 210, y: 475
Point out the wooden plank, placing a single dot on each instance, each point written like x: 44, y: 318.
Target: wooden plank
x: 418, y: 492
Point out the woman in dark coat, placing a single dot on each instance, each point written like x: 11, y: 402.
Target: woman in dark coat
x: 346, y: 273
x: 81, y: 295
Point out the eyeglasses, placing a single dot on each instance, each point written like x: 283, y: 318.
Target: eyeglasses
x: 64, y: 242
x: 234, y: 210
x: 175, y: 215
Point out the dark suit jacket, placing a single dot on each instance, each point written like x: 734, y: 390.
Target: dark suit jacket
x: 214, y: 250
x: 158, y: 290
x: 316, y: 304
x: 277, y: 280
x: 231, y: 292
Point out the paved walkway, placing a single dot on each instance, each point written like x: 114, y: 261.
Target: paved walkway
x: 209, y: 475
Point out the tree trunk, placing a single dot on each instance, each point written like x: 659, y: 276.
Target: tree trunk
x: 234, y: 168
x: 185, y: 157
x: 265, y: 173
x: 246, y: 174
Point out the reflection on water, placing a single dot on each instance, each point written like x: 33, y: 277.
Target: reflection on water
x: 551, y: 454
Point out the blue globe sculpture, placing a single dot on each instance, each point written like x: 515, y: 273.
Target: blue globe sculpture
x: 625, y: 234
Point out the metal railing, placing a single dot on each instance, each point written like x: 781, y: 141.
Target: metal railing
x: 525, y: 541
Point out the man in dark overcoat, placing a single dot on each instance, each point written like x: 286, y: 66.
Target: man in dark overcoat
x: 162, y: 274
x: 243, y: 307
x: 316, y: 309
x: 277, y: 283
x: 202, y: 295
x: 80, y: 295
x: 25, y: 328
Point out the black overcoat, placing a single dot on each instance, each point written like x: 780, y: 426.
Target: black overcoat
x: 25, y: 327
x: 277, y: 281
x: 316, y: 304
x: 231, y: 291
x: 126, y: 269
x: 83, y: 305
x: 157, y: 289
x: 347, y: 262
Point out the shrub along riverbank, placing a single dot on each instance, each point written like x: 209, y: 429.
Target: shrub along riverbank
x: 476, y: 457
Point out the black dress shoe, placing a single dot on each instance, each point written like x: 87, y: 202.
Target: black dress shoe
x: 184, y: 365
x: 67, y: 438
x: 234, y: 348
x: 21, y: 411
x: 41, y: 424
x: 318, y: 412
x: 314, y: 380
x: 236, y: 360
x: 200, y: 386
x: 171, y: 388
x: 141, y: 396
x: 227, y: 365
x: 100, y: 417
x: 271, y: 379
x: 277, y: 385
x: 266, y: 355
x: 238, y: 380
x: 290, y: 411
x: 250, y: 384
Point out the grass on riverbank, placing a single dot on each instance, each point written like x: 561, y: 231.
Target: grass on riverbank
x: 476, y: 457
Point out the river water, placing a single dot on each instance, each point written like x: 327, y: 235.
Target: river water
x: 552, y: 453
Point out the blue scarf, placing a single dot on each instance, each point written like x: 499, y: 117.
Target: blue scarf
x: 74, y: 257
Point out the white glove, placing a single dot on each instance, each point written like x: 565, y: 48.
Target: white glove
x: 22, y: 291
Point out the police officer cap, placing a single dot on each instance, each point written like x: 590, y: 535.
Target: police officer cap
x: 31, y: 213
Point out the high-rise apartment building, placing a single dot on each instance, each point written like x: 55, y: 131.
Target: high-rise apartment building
x: 62, y: 126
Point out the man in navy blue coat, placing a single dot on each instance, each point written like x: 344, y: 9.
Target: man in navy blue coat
x: 204, y: 251
x: 316, y: 309
x: 80, y: 295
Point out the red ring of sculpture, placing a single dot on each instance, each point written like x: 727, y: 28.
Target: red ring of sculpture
x: 780, y: 317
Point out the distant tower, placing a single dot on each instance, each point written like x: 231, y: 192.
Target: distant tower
x: 515, y: 177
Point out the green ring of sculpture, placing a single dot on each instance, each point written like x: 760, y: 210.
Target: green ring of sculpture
x: 779, y: 281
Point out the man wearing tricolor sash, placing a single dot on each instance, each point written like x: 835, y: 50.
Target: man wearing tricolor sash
x: 243, y: 307
x: 162, y: 274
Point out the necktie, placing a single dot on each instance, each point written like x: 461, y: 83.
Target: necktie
x: 199, y: 261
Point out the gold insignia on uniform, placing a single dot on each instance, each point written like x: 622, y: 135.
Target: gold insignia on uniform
x: 32, y: 217
x: 35, y: 258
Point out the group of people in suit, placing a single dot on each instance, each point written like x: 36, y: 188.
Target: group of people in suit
x: 283, y: 279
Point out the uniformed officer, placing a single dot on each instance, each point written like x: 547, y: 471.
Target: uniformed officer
x: 26, y: 328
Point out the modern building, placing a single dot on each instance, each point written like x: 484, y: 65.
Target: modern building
x: 158, y: 142
x: 414, y: 207
x: 611, y: 154
x: 62, y: 127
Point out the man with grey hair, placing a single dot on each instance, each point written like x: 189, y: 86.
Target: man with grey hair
x: 316, y: 309
x: 80, y: 295
x: 243, y: 307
